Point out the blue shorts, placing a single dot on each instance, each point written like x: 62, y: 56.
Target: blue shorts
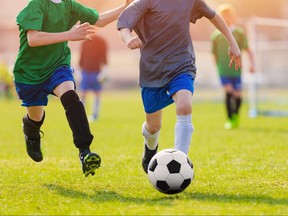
x: 155, y: 99
x: 37, y: 95
x: 234, y: 81
x: 90, y: 81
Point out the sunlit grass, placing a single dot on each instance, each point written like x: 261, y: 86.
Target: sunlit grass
x: 242, y: 171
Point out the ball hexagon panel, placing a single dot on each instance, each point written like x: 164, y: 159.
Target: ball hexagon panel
x: 164, y: 158
x: 180, y: 157
x: 186, y: 171
x: 161, y: 172
x: 152, y: 178
x: 175, y: 181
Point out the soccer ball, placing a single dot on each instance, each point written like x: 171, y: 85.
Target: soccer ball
x: 170, y: 171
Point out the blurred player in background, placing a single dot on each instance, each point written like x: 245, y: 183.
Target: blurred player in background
x: 230, y: 78
x: 93, y: 65
x: 167, y: 62
x: 6, y: 80
x: 43, y: 67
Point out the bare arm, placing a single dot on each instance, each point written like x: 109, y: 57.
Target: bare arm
x: 132, y: 42
x: 234, y: 51
x: 109, y: 16
x: 77, y: 32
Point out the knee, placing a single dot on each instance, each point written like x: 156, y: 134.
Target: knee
x: 68, y: 98
x: 152, y: 129
x: 184, y: 108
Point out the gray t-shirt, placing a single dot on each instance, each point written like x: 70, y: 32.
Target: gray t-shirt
x: 163, y: 27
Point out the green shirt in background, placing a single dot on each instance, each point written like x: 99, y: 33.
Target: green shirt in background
x: 34, y: 65
x: 220, y: 50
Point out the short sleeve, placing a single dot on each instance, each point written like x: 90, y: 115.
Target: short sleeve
x: 132, y: 14
x: 31, y: 17
x: 245, y: 44
x: 201, y: 9
x: 84, y: 14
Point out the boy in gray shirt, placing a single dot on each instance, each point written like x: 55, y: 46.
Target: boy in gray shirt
x: 167, y: 62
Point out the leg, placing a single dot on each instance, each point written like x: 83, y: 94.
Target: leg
x: 96, y: 104
x: 76, y: 115
x: 150, y: 131
x: 78, y: 122
x: 83, y: 96
x: 32, y: 123
x: 228, y: 88
x: 238, y: 100
x: 183, y: 126
x: 230, y: 103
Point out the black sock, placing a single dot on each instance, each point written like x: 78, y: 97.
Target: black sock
x: 229, y: 105
x: 77, y: 119
x: 238, y: 102
x: 31, y: 128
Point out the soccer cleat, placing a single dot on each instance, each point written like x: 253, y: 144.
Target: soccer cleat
x: 33, y: 148
x: 232, y: 123
x: 147, y: 156
x: 90, y: 162
x: 228, y: 125
x: 235, y: 120
x: 92, y: 118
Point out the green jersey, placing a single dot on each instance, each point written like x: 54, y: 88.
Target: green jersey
x: 35, y: 65
x: 220, y: 50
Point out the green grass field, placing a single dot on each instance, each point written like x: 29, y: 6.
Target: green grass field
x: 238, y: 172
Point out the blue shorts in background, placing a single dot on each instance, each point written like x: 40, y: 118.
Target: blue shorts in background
x: 37, y: 95
x: 234, y: 81
x: 155, y: 99
x: 90, y: 81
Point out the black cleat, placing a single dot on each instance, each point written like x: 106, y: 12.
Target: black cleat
x: 147, y: 156
x: 90, y: 162
x: 33, y: 148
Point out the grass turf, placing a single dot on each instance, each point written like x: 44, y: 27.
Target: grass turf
x: 242, y: 171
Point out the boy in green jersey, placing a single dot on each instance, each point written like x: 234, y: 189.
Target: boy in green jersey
x: 42, y: 67
x: 229, y: 77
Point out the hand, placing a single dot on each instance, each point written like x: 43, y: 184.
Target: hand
x: 235, y: 57
x: 92, y: 35
x: 134, y: 43
x: 81, y: 31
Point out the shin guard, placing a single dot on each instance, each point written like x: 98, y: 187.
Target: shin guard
x: 77, y: 119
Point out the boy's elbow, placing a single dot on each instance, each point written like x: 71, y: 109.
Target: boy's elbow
x: 31, y: 41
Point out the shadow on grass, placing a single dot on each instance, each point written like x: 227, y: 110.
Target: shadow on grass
x: 108, y: 196
x: 225, y: 198
x: 165, y: 200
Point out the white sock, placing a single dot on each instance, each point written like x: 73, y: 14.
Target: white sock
x: 151, y: 140
x: 183, y: 133
x: 96, y: 106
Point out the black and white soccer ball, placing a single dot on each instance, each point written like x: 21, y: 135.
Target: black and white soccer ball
x: 170, y: 171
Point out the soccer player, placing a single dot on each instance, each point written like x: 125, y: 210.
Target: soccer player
x: 229, y: 77
x: 43, y: 67
x: 167, y: 62
x: 93, y: 64
x: 6, y: 80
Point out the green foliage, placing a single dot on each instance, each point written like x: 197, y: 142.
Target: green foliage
x: 242, y: 171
